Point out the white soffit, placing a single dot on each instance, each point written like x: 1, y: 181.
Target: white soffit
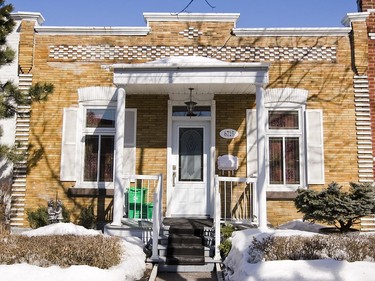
x: 177, y: 74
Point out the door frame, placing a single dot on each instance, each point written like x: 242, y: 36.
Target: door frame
x: 210, y: 153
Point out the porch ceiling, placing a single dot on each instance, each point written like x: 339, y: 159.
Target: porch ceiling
x: 178, y: 74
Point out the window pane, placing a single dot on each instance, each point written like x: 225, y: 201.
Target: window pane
x: 292, y: 173
x: 100, y: 118
x: 106, y: 158
x: 283, y: 120
x: 276, y: 160
x: 191, y: 154
x: 91, y: 158
x: 198, y: 111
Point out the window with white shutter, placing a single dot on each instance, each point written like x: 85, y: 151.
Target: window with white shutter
x: 294, y: 141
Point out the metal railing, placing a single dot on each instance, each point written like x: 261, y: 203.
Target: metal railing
x: 235, y: 202
x: 238, y: 199
x: 144, y: 201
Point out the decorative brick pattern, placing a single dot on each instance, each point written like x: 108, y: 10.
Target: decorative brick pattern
x: 191, y: 33
x: 17, y: 210
x: 245, y: 54
x: 363, y: 124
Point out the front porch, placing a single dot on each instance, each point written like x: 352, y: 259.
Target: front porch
x: 144, y: 216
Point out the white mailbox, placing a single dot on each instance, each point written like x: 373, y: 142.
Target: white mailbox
x: 227, y: 162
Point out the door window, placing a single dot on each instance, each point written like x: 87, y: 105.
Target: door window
x: 191, y: 154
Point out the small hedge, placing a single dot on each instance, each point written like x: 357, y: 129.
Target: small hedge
x: 339, y: 247
x: 62, y: 250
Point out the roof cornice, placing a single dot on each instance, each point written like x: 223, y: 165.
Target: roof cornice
x: 312, y: 31
x: 352, y: 17
x: 213, y: 17
x: 92, y: 30
x: 37, y: 17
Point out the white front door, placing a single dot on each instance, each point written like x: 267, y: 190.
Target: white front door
x: 190, y: 169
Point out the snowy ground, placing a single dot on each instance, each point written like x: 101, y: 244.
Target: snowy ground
x: 313, y: 270
x: 133, y: 265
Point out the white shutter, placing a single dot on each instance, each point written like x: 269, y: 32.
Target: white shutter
x: 68, y: 149
x: 252, y: 151
x: 314, y: 144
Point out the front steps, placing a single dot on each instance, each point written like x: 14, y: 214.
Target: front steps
x: 186, y: 245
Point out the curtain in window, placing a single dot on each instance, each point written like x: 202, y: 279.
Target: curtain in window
x: 91, y: 158
x: 276, y: 160
x: 284, y: 166
x: 106, y: 158
x: 292, y: 173
x: 283, y: 120
x: 99, y: 156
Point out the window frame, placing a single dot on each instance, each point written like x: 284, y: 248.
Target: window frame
x: 287, y: 133
x: 94, y: 131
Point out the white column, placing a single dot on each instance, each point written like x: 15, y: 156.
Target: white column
x: 261, y: 139
x: 118, y: 199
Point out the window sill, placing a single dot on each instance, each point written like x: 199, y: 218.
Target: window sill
x: 281, y: 195
x: 90, y: 192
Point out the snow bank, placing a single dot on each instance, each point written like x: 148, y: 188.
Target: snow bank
x: 132, y: 266
x: 239, y: 268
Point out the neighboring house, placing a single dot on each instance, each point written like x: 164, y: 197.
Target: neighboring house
x: 288, y: 108
x: 9, y: 73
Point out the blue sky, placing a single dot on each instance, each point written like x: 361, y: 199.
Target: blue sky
x: 254, y: 13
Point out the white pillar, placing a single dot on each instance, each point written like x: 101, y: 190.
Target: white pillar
x: 261, y: 139
x: 118, y: 199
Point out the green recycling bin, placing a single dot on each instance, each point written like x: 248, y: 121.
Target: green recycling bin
x: 137, y: 195
x: 137, y: 211
x: 149, y: 208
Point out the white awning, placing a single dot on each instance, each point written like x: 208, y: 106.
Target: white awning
x: 175, y: 75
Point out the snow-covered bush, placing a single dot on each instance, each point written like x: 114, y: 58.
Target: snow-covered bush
x: 354, y: 247
x: 63, y: 250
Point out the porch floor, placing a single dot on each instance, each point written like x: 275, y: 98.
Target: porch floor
x: 188, y: 223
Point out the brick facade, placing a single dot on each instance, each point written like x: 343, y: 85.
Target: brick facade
x: 323, y: 65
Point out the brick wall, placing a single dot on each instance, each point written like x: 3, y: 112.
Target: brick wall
x: 329, y: 82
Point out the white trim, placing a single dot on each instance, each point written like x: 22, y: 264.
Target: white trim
x: 281, y: 96
x: 102, y: 94
x: 92, y: 30
x: 286, y: 133
x: 211, y: 153
x: 354, y: 17
x: 19, y: 16
x: 306, y: 31
x: 182, y: 17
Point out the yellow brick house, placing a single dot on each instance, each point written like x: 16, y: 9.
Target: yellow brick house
x: 192, y: 117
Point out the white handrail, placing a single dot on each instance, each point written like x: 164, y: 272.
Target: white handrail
x: 157, y: 218
x: 217, y: 213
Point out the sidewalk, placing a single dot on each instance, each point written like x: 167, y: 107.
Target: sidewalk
x: 184, y: 276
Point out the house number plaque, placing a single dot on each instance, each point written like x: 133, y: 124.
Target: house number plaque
x: 228, y: 133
